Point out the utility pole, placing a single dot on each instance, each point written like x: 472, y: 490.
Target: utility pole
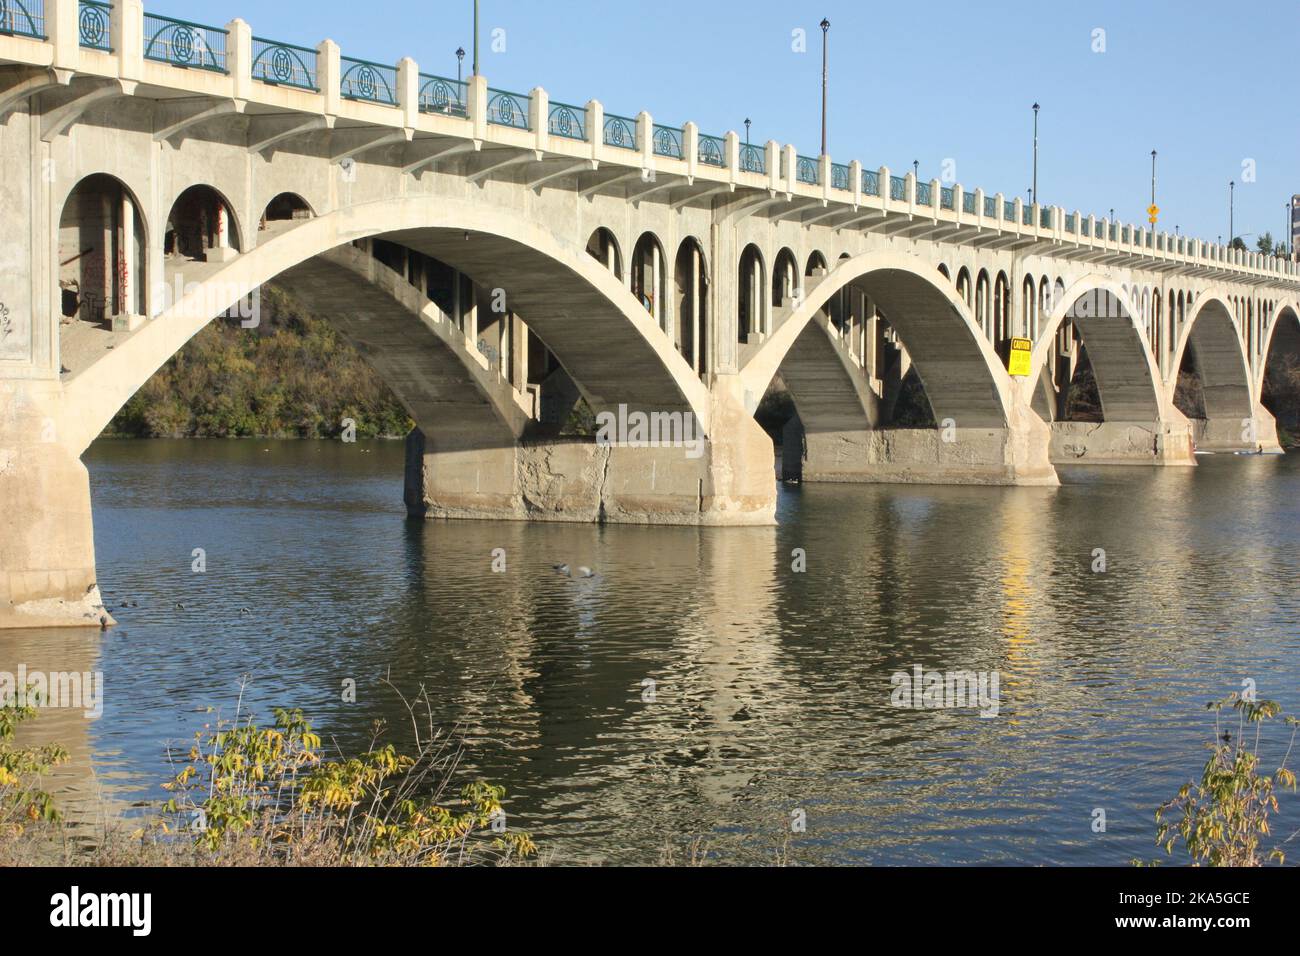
x: 1033, y: 192
x: 460, y: 65
x: 1232, y: 185
x: 826, y: 26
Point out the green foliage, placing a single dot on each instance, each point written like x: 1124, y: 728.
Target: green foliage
x: 21, y: 800
x: 1222, y: 819
x: 270, y: 793
x: 293, y: 376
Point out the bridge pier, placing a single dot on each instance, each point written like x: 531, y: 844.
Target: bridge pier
x: 1167, y: 442
x: 1225, y: 435
x: 726, y: 480
x: 1014, y: 455
x: 47, y: 548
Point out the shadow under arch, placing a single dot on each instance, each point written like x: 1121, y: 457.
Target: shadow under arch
x: 588, y: 319
x: 1106, y: 319
x: 963, y: 377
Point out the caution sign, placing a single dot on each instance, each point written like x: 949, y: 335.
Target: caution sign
x: 1153, y: 213
x: 1018, y: 361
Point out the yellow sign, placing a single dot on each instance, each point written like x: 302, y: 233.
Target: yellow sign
x: 1153, y: 211
x: 1018, y: 361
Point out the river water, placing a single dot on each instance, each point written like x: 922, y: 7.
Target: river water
x: 698, y: 694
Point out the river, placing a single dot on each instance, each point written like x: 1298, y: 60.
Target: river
x: 697, y: 693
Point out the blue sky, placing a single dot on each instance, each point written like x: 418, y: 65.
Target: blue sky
x: 1200, y: 82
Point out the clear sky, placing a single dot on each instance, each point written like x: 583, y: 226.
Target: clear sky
x: 1209, y: 85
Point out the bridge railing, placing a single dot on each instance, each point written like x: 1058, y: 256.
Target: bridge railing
x: 189, y: 45
x: 94, y: 25
x: 24, y: 18
x: 184, y: 44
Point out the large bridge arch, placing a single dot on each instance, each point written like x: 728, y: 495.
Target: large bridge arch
x: 1219, y: 352
x: 1108, y: 321
x: 586, y: 316
x: 1283, y: 332
x: 963, y: 377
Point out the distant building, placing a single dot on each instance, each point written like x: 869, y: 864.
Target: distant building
x: 1295, y: 222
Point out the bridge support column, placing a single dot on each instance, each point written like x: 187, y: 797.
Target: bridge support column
x: 727, y: 480
x: 47, y: 548
x: 1166, y: 442
x: 1012, y: 455
x: 1257, y: 433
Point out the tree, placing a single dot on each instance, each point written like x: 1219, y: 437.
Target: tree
x: 1265, y: 243
x: 1237, y: 243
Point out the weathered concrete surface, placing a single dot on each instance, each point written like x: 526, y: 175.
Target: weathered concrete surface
x: 722, y: 482
x: 1257, y: 433
x: 1122, y: 443
x: 47, y: 550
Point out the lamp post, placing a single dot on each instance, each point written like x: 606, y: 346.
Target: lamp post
x: 1033, y: 191
x: 1153, y: 183
x: 916, y: 169
x: 826, y: 26
x: 747, y: 122
x: 460, y: 63
x: 1231, y: 189
x: 476, y: 37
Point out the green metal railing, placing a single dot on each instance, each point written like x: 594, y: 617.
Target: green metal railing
x: 946, y: 197
x: 620, y: 131
x: 371, y: 82
x: 897, y: 188
x: 924, y: 194
x: 808, y: 170
x: 839, y: 176
x: 1008, y: 210
x: 668, y: 142
x: 184, y: 44
x: 569, y: 122
x: 507, y: 109
x: 94, y: 25
x: 24, y: 18
x: 1045, y: 217
x: 283, y: 64
x: 990, y: 207
x: 968, y: 203
x: 870, y: 182
x: 441, y: 95
x: 1069, y: 223
x: 753, y: 159
x: 1027, y: 215
x: 712, y: 151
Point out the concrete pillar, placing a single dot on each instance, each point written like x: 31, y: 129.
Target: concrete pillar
x: 126, y: 30
x: 539, y: 117
x: 239, y: 57
x: 477, y: 105
x: 694, y: 311
x: 62, y: 25
x: 518, y: 353
x: 329, y: 69
x: 408, y: 91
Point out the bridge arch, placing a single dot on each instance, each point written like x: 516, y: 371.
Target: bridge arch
x: 285, y: 207
x: 603, y: 247
x: 691, y: 285
x: 201, y: 219
x: 1108, y: 323
x: 1282, y: 336
x: 587, y: 318
x: 1214, y: 342
x: 963, y: 378
x: 785, y: 278
x: 103, y: 250
x: 751, y: 293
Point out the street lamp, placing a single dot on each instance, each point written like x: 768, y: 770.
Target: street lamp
x: 747, y: 122
x: 916, y: 169
x: 476, y: 37
x: 460, y: 62
x: 1033, y: 192
x: 826, y: 26
x: 1232, y: 186
x: 1153, y: 185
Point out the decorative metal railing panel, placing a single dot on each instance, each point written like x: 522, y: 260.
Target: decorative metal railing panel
x: 753, y: 159
x: 620, y: 131
x: 1124, y: 236
x: 1112, y: 230
x: 870, y: 182
x: 283, y: 64
x: 1008, y: 210
x: 1027, y: 215
x: 567, y: 121
x: 990, y: 207
x: 668, y: 142
x: 507, y: 109
x: 897, y: 188
x: 808, y: 170
x: 1069, y: 223
x: 364, y: 80
x: 1045, y: 217
x: 24, y: 18
x: 94, y: 30
x: 924, y: 194
x: 441, y: 95
x: 184, y: 44
x: 968, y: 203
x: 712, y: 151
x: 946, y: 197
x: 839, y: 176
